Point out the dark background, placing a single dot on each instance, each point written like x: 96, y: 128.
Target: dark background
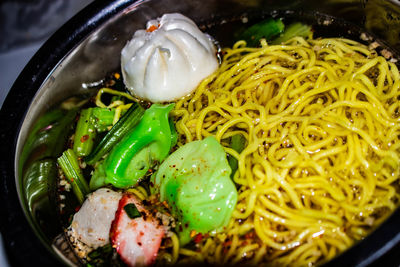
x: 24, y: 26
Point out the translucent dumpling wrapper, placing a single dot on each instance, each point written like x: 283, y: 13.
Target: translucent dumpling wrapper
x: 167, y: 60
x: 195, y: 182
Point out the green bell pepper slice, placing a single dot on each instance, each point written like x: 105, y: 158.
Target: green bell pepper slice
x: 142, y: 147
x: 195, y: 182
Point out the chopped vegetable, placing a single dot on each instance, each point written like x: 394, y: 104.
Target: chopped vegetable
x: 102, y: 256
x: 137, y: 242
x: 103, y: 118
x: 267, y: 29
x: 237, y: 143
x: 132, y: 211
x: 293, y: 30
x: 149, y: 142
x: 195, y: 182
x: 38, y: 178
x: 38, y: 169
x: 91, y: 121
x: 48, y: 136
x: 85, y: 133
x: 70, y: 166
x: 117, y: 132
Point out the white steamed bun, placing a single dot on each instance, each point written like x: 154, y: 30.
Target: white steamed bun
x: 167, y: 60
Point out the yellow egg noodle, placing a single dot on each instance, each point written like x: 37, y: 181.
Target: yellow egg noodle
x: 118, y: 104
x: 321, y: 165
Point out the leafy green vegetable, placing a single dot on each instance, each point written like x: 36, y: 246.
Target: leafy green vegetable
x: 267, y: 29
x: 132, y: 211
x: 38, y: 178
x: 294, y: 29
x: 37, y: 167
x: 103, y: 257
x: 70, y: 166
x: 195, y: 182
x: 97, y: 253
x: 149, y: 142
x: 127, y: 122
x: 48, y: 136
x: 238, y: 143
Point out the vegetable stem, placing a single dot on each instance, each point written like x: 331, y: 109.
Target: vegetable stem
x: 119, y: 130
x: 69, y: 164
x: 85, y: 133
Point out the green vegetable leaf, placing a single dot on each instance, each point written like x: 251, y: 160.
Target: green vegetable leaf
x: 238, y: 143
x: 132, y: 211
x: 267, y: 29
x: 293, y: 30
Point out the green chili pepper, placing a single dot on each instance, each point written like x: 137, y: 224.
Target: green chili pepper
x: 149, y: 142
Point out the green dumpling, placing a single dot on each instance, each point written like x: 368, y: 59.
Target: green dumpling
x: 195, y: 182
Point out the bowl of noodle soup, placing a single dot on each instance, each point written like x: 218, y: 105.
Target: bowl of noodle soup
x: 318, y: 179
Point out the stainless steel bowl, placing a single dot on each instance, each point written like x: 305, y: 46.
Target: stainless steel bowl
x: 87, y: 48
